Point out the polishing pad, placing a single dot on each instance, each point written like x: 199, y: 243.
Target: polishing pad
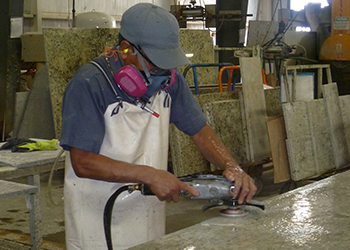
x: 237, y: 211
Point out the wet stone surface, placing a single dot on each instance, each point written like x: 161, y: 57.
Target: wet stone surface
x: 316, y: 216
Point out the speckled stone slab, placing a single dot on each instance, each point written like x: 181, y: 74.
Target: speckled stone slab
x: 335, y: 122
x: 344, y: 102
x: 321, y: 136
x: 309, y: 144
x: 215, y: 96
x: 200, y: 44
x: 273, y: 103
x: 11, y: 189
x: 186, y: 159
x: 255, y: 108
x: 67, y: 49
x: 315, y: 216
x: 225, y: 118
x: 28, y: 159
x: 299, y: 141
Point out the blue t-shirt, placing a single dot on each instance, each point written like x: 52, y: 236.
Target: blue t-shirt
x: 88, y: 94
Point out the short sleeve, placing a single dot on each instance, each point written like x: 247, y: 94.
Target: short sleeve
x: 186, y: 114
x: 83, y: 111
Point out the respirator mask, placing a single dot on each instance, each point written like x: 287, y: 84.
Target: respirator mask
x: 143, y: 84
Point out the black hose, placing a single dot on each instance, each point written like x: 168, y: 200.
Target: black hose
x: 107, y: 215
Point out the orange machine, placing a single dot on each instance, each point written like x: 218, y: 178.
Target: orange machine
x: 337, y: 46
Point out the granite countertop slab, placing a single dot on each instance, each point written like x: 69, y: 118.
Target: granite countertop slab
x: 316, y: 216
x: 28, y: 159
x: 67, y: 49
x: 11, y: 189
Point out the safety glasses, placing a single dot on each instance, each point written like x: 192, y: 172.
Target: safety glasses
x: 155, y: 71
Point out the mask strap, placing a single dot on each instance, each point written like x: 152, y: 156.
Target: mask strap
x: 148, y: 75
x: 171, y: 81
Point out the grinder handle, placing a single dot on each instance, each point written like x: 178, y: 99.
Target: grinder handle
x: 143, y: 188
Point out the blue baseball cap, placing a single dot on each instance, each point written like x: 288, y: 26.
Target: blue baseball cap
x: 156, y: 31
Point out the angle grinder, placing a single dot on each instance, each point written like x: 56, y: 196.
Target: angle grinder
x: 214, y: 188
x: 218, y: 191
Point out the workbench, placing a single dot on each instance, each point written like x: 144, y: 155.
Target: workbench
x: 31, y: 165
x: 316, y: 216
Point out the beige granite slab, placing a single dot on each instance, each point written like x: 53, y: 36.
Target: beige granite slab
x: 28, y: 159
x: 67, y: 49
x: 200, y: 44
x: 309, y: 139
x: 186, y: 159
x: 226, y: 119
x: 321, y: 136
x: 255, y: 108
x: 299, y: 141
x: 344, y: 102
x: 315, y: 216
x: 215, y: 96
x: 336, y: 124
x: 273, y: 103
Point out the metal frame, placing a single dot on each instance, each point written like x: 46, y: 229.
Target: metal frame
x: 194, y: 66
x: 12, y: 189
x: 30, y: 166
x: 290, y: 94
x: 34, y: 6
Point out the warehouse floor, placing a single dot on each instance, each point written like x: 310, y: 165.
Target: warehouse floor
x: 14, y: 224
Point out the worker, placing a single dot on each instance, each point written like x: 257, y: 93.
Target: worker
x: 116, y: 113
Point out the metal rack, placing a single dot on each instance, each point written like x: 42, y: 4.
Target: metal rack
x: 291, y: 93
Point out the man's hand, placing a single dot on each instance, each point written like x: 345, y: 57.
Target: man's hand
x: 167, y: 187
x: 215, y: 151
x: 244, y: 184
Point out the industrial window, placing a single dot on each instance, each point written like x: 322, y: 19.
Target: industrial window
x: 298, y: 5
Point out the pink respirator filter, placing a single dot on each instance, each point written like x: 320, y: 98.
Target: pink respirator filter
x: 131, y: 81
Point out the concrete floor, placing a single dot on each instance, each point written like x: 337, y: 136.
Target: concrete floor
x: 14, y: 224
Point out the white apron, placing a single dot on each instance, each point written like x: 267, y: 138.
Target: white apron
x: 132, y: 135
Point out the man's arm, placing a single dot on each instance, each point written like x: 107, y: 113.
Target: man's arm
x: 95, y: 166
x: 215, y: 151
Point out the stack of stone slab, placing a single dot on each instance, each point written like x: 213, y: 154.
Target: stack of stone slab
x: 318, y: 134
x: 318, y: 130
x: 66, y: 49
x: 238, y: 118
x: 304, y: 138
x: 224, y: 115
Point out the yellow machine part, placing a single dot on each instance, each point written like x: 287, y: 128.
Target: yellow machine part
x: 336, y: 48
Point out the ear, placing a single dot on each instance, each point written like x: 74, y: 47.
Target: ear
x: 127, y: 49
